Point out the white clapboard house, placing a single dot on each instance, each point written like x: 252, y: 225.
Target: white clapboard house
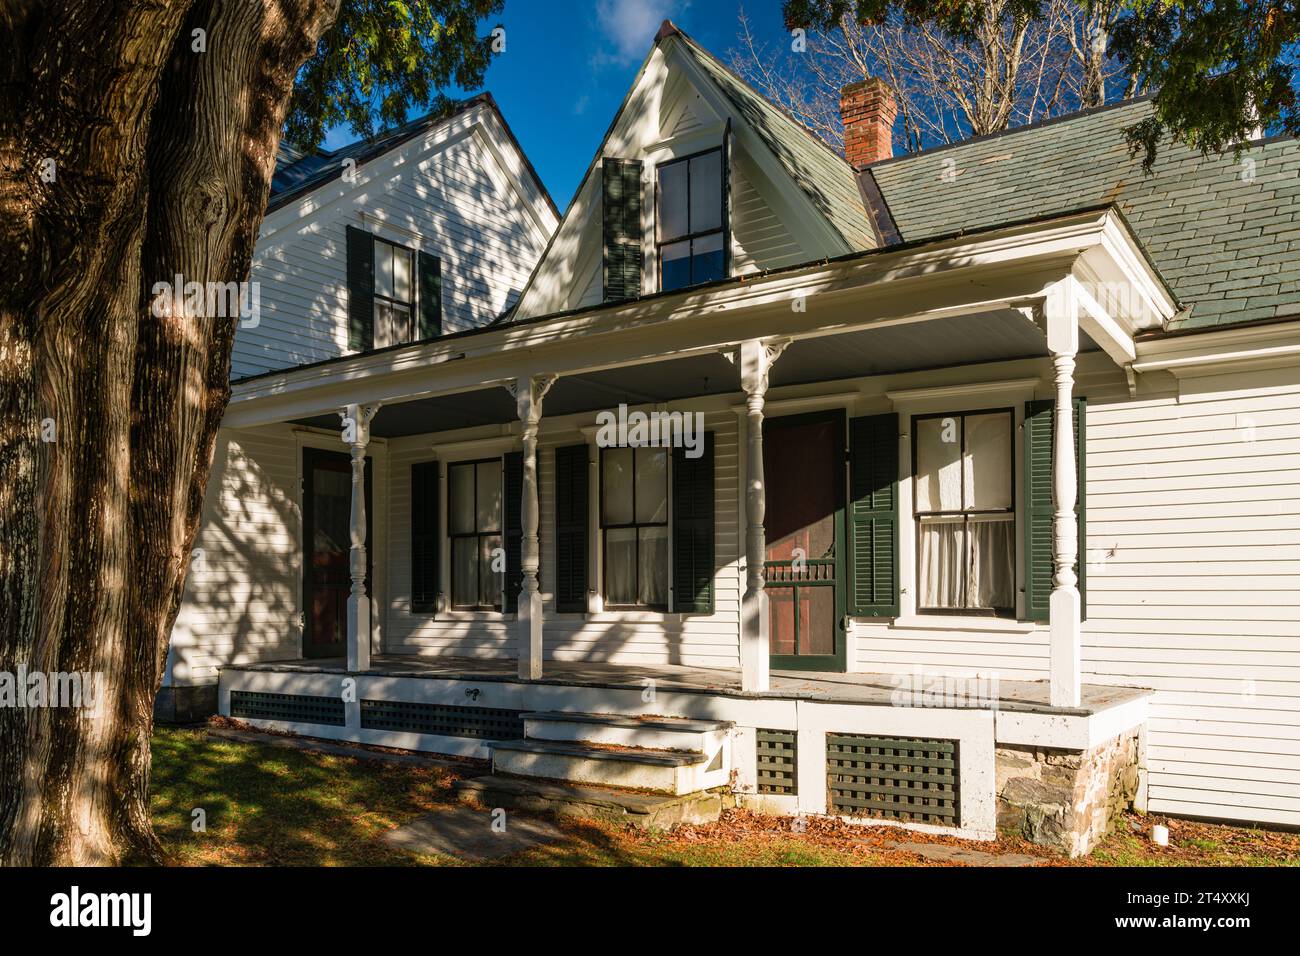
x: 959, y: 489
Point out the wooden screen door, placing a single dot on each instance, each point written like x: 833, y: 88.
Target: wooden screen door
x: 327, y: 542
x: 803, y: 466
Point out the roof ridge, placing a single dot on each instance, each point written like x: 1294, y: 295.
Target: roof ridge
x: 1025, y: 128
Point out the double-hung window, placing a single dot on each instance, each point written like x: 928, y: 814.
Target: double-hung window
x: 965, y: 512
x: 395, y: 320
x: 477, y: 559
x: 688, y: 220
x: 634, y: 526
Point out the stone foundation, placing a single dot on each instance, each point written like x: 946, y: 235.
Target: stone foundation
x: 1067, y: 799
x: 185, y: 704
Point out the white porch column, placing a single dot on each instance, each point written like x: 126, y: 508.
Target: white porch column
x: 356, y: 433
x: 1066, y: 606
x: 529, y: 392
x: 755, y: 358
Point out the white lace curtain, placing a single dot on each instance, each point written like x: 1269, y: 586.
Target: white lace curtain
x: 967, y: 563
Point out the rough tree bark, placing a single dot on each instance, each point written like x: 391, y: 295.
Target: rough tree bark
x: 162, y: 159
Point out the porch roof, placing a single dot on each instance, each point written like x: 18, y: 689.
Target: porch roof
x: 980, y: 294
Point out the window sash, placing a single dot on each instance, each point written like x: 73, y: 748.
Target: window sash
x: 395, y: 316
x: 480, y: 540
x: 641, y: 533
x: 966, y: 515
x: 695, y: 261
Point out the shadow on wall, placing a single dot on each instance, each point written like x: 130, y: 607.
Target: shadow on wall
x: 452, y: 206
x: 241, y: 595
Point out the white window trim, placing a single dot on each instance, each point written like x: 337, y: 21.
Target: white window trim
x: 596, y: 612
x: 448, y: 454
x: 969, y: 397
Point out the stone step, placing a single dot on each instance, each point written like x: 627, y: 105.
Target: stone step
x: 652, y: 732
x: 642, y: 810
x: 666, y: 771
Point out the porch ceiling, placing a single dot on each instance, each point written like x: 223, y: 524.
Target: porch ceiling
x: 938, y: 343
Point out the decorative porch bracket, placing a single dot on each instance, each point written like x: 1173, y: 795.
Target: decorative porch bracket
x: 755, y: 357
x: 356, y: 434
x: 528, y: 393
x: 1066, y: 606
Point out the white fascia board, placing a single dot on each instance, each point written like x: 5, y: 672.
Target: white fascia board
x: 518, y: 178
x: 956, y: 277
x: 1103, y: 328
x: 1210, y: 351
x: 1118, y: 261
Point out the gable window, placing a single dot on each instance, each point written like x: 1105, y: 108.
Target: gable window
x: 634, y: 526
x: 965, y: 512
x: 394, y: 294
x: 688, y: 220
x: 475, y: 522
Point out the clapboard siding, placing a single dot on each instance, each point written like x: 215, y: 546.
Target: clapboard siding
x: 759, y: 239
x: 443, y: 201
x: 1216, y: 628
x: 698, y: 640
x: 241, y: 595
x: 1193, y: 557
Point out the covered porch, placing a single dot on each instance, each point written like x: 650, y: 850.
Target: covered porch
x: 763, y: 347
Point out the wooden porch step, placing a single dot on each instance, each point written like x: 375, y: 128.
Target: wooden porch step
x: 639, y: 809
x: 620, y: 730
x: 686, y: 724
x: 667, y: 771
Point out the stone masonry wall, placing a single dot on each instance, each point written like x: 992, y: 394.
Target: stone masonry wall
x: 1066, y: 799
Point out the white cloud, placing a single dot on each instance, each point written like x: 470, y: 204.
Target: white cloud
x: 629, y: 26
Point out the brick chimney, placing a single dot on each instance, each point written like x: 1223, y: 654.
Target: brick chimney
x: 868, y: 109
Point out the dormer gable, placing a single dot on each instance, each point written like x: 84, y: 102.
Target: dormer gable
x: 698, y: 179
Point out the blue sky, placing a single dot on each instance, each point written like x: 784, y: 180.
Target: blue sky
x: 568, y: 63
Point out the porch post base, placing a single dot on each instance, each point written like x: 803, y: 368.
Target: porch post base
x: 530, y: 636
x: 754, y: 672
x: 1066, y: 613
x: 358, y: 633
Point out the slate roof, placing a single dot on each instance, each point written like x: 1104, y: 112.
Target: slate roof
x: 1226, y: 241
x: 820, y: 171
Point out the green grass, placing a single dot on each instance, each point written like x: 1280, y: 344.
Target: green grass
x: 273, y: 806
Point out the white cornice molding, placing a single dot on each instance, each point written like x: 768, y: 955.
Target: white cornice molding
x: 1217, y: 350
x: 1014, y: 387
x: 469, y: 447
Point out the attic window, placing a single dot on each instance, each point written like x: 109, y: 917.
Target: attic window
x: 688, y: 220
x: 394, y: 294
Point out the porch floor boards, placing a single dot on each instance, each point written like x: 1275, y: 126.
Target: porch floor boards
x: 859, y: 688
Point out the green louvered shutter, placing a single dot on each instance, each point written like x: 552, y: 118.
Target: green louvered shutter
x: 693, y: 530
x: 424, y: 537
x: 1039, y: 421
x: 512, y: 489
x: 571, y: 472
x: 361, y: 289
x: 873, y: 516
x: 621, y: 228
x: 430, y: 272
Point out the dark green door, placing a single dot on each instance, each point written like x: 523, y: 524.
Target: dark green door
x: 803, y: 469
x: 327, y: 545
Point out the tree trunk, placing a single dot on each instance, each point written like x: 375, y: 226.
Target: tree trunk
x: 163, y: 144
